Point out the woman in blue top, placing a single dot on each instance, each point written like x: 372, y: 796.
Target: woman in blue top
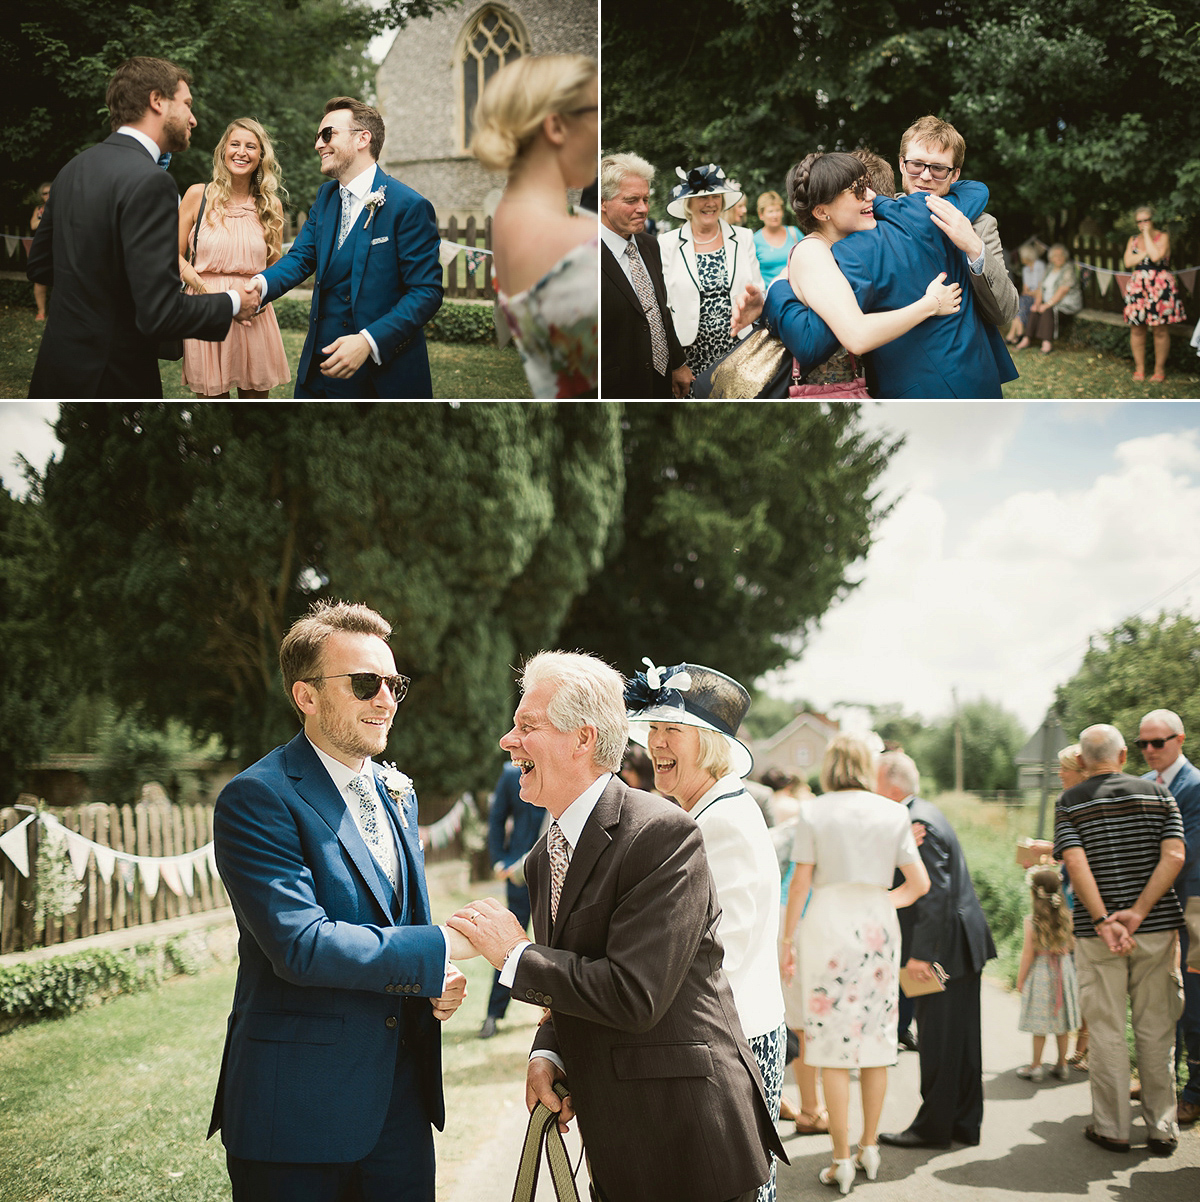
x: 773, y: 243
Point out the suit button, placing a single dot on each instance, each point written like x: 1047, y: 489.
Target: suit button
x: 529, y: 994
x: 548, y: 1000
x: 390, y: 1022
x: 388, y: 988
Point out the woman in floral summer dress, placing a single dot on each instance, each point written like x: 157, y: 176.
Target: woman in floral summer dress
x: 1151, y: 296
x: 538, y: 122
x: 848, y: 843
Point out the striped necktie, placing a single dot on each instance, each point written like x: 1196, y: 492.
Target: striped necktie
x: 560, y: 860
x: 645, y: 294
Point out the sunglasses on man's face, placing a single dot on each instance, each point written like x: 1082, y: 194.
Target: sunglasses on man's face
x: 325, y: 134
x: 1157, y: 744
x: 366, y: 684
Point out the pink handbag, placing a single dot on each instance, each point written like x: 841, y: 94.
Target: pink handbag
x: 850, y: 390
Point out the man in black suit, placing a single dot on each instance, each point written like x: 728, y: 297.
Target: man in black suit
x: 946, y: 926
x: 108, y: 242
x: 640, y: 356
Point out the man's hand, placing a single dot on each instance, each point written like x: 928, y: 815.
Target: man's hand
x: 918, y: 830
x: 461, y: 947
x: 539, y: 1087
x: 921, y: 970
x: 454, y: 993
x: 681, y: 381
x: 346, y: 355
x: 1116, y: 938
x: 490, y: 927
x: 747, y: 309
x: 955, y: 225
x: 251, y: 303
x: 1129, y: 919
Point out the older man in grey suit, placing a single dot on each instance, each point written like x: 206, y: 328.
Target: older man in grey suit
x: 643, y: 1027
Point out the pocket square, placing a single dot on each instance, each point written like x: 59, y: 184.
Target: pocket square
x: 377, y: 241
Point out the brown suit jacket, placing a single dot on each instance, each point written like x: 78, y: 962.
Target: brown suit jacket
x: 668, y: 1094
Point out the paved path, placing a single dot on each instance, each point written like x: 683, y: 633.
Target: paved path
x: 1032, y: 1142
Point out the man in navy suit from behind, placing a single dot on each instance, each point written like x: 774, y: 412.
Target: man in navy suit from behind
x: 1169, y: 766
x: 373, y: 243
x: 331, y: 1078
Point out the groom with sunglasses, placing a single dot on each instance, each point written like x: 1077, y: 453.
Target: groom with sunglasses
x: 373, y: 243
x: 331, y: 1079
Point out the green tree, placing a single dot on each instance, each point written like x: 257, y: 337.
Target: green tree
x: 739, y: 524
x: 991, y: 739
x: 194, y: 537
x: 1137, y: 666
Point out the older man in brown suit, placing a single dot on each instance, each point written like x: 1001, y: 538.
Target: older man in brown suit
x: 643, y: 1027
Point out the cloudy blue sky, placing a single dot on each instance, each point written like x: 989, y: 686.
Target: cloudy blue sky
x: 1019, y: 529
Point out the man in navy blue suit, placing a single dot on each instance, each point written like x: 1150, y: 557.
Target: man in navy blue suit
x: 373, y: 243
x: 1160, y: 740
x: 331, y: 1077
x: 513, y: 828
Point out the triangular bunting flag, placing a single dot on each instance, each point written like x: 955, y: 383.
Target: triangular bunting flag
x: 1122, y: 278
x: 27, y: 243
x: 11, y: 241
x: 128, y: 870
x: 15, y: 845
x: 214, y: 873
x: 1103, y: 281
x: 447, y: 251
x: 149, y: 870
x: 79, y: 849
x: 184, y: 865
x: 169, y: 870
x: 1189, y: 279
x: 106, y: 860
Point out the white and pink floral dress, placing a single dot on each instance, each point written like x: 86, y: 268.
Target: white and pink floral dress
x: 849, y: 937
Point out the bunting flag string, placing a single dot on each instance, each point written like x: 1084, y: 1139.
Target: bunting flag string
x: 178, y: 873
x: 439, y: 834
x: 1106, y: 275
x: 475, y: 254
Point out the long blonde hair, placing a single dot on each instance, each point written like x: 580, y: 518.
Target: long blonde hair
x: 1051, y: 918
x: 265, y: 185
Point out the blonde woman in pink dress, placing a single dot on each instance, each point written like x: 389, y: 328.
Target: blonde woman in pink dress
x: 240, y: 234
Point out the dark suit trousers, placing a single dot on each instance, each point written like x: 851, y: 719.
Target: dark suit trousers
x: 951, y: 1051
x: 519, y: 906
x: 399, y: 1169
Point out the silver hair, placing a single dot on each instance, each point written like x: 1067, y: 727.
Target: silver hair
x: 1100, y: 744
x: 588, y: 693
x: 1169, y: 718
x: 900, y: 770
x: 715, y: 757
x: 616, y: 168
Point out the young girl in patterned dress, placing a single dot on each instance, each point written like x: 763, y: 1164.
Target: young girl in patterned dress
x: 1046, y: 977
x: 1151, y: 296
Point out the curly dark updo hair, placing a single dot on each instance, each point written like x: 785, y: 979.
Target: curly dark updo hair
x: 818, y: 178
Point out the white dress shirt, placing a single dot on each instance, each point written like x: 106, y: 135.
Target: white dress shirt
x: 154, y: 151
x: 620, y: 249
x: 358, y: 187
x: 1169, y: 774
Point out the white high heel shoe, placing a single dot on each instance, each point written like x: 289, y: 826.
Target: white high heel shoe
x: 868, y: 1160
x: 840, y: 1173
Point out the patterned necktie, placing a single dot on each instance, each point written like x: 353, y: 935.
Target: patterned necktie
x: 560, y: 859
x: 1159, y: 779
x: 344, y: 227
x: 368, y: 818
x: 645, y: 293
x: 164, y: 159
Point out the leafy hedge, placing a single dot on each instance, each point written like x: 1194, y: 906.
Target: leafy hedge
x: 453, y: 322
x: 1097, y: 336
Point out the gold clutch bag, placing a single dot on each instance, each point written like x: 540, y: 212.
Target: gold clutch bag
x: 914, y: 988
x: 759, y: 366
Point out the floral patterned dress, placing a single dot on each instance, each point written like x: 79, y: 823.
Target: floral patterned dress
x: 554, y: 325
x: 849, y: 937
x: 1152, y: 296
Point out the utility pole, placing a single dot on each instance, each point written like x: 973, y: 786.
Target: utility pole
x: 958, y: 768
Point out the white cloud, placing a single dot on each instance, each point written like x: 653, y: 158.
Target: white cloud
x: 26, y: 427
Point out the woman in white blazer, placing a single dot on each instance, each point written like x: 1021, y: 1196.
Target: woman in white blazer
x: 706, y: 263
x: 687, y: 717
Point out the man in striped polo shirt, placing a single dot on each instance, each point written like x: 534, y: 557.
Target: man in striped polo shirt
x: 1121, y: 839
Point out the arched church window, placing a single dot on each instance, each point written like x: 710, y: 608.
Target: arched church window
x: 491, y: 38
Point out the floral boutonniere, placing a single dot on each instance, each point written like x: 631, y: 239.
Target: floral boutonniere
x: 399, y: 787
x: 375, y: 200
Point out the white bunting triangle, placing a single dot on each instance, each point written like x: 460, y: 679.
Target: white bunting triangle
x: 185, y: 865
x: 15, y: 845
x: 79, y: 849
x: 106, y: 860
x: 149, y: 871
x: 169, y: 871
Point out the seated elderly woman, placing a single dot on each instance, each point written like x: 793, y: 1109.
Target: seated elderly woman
x: 1060, y: 293
x: 706, y: 262
x: 849, y: 842
x: 687, y: 717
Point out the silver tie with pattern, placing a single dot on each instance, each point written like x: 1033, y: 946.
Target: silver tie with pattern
x: 560, y: 860
x: 645, y: 293
x: 344, y: 227
x: 368, y: 820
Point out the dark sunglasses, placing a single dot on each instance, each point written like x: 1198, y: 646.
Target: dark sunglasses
x: 325, y: 134
x: 1157, y: 744
x: 366, y: 684
x: 936, y: 171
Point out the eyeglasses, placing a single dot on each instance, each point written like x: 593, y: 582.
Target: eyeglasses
x: 1157, y: 744
x: 937, y: 171
x: 325, y: 134
x: 366, y: 684
x: 1143, y: 220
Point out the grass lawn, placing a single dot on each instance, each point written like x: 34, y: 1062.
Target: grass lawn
x: 114, y: 1102
x: 459, y: 370
x: 1074, y: 372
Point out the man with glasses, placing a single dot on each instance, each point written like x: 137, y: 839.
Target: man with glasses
x: 931, y: 159
x: 331, y: 1076
x: 1160, y: 740
x: 373, y: 243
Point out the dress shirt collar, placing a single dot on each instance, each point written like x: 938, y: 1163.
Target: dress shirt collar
x: 360, y: 185
x: 571, y: 821
x: 1169, y: 774
x: 152, y: 147
x: 338, y: 772
x: 615, y: 242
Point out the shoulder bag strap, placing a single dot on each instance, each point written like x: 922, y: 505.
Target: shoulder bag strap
x: 543, y: 1128
x: 196, y: 229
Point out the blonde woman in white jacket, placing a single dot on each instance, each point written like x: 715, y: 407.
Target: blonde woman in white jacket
x: 706, y: 262
x: 687, y: 718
